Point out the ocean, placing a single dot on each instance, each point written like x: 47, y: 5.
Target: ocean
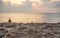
x: 30, y: 17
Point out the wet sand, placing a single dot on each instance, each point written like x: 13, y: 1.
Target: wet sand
x: 30, y: 30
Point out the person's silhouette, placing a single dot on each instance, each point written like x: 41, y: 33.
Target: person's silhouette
x: 9, y: 20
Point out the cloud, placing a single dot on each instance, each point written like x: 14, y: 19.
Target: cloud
x: 47, y: 10
x: 51, y: 3
x: 45, y: 1
x: 1, y: 6
x: 49, y: 7
x: 20, y: 8
x: 55, y: 4
x: 25, y: 7
x: 45, y: 7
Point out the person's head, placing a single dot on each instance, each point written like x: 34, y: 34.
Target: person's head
x: 9, y: 20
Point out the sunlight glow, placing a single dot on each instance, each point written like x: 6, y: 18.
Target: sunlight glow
x: 21, y: 17
x: 14, y: 1
x: 17, y: 1
x: 20, y: 1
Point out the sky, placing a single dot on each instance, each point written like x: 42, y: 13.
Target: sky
x: 34, y: 6
x: 29, y: 10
